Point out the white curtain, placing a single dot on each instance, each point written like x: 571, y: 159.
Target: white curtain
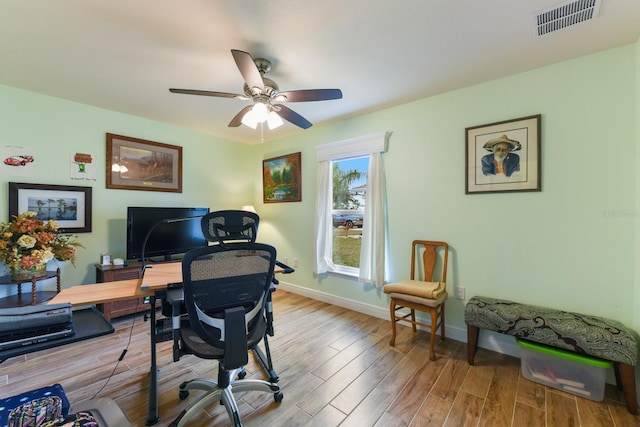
x: 323, y: 222
x: 373, y: 242
x: 373, y: 231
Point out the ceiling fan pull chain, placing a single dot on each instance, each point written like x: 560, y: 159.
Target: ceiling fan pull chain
x: 262, y: 133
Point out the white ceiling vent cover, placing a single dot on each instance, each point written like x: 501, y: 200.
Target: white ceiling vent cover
x: 565, y: 15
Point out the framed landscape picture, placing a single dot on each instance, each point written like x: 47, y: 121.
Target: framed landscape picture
x: 69, y: 206
x: 281, y: 179
x: 137, y: 164
x: 503, y: 156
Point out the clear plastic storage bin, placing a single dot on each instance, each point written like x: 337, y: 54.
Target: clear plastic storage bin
x: 571, y: 372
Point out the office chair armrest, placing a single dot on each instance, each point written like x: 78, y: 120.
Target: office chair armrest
x: 236, y: 352
x: 285, y: 268
x: 269, y: 310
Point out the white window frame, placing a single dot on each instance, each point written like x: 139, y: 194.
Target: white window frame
x: 372, y: 267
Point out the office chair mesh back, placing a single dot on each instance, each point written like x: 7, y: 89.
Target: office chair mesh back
x: 218, y: 279
x: 230, y: 225
x: 226, y: 226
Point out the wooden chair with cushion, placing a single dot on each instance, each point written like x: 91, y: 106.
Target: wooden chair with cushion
x: 424, y: 294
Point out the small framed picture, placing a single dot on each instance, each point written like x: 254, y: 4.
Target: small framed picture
x: 105, y: 259
x: 503, y: 156
x: 281, y: 179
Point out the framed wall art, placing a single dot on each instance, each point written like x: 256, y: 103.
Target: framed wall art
x: 281, y: 179
x: 137, y: 164
x: 69, y: 205
x: 503, y: 156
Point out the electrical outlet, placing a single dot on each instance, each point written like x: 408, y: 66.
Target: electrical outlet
x: 295, y: 263
x: 460, y: 292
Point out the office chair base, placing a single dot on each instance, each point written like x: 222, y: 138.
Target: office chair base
x: 224, y: 395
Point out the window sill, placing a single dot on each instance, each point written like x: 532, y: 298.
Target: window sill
x: 346, y: 272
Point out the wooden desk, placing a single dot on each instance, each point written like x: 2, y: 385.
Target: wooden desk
x: 111, y: 273
x: 156, y: 277
x: 155, y: 281
x: 154, y: 285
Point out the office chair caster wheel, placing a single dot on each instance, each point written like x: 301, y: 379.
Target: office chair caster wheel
x: 242, y: 374
x: 182, y: 393
x: 278, y: 396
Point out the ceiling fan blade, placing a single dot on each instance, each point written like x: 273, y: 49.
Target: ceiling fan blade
x: 309, y: 95
x: 248, y: 69
x: 208, y: 93
x: 291, y: 116
x: 237, y: 120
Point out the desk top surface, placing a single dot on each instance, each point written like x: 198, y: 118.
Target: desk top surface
x: 156, y: 277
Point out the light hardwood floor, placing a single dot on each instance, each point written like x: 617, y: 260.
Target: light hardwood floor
x: 336, y: 368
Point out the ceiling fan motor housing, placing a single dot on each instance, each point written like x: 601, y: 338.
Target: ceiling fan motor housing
x: 271, y: 89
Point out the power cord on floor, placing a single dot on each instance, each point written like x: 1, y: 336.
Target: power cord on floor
x: 133, y: 322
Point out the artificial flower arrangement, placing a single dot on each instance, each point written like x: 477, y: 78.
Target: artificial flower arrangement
x: 28, y: 243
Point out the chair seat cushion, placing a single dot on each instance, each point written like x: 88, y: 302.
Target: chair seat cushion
x: 429, y: 302
x: 418, y: 288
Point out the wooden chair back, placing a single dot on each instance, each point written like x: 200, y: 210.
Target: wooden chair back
x: 429, y: 251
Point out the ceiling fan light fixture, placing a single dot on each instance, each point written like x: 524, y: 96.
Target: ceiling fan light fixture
x: 249, y: 119
x: 260, y: 112
x: 273, y: 120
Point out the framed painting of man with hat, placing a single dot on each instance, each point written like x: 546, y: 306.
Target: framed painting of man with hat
x: 503, y: 156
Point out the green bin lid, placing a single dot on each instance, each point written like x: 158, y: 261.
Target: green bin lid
x: 565, y: 354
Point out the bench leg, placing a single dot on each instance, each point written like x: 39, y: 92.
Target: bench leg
x: 472, y: 342
x: 626, y: 376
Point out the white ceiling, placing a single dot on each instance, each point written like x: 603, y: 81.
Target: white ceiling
x: 124, y: 55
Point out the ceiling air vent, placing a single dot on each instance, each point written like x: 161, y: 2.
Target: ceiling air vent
x: 565, y: 15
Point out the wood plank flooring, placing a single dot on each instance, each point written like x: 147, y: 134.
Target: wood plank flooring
x: 336, y: 368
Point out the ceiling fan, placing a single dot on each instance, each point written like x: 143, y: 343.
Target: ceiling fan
x: 265, y: 95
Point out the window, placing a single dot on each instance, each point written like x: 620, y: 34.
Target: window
x: 350, y: 192
x: 349, y: 183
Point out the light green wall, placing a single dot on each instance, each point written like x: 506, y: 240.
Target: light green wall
x: 214, y: 171
x: 636, y: 295
x: 570, y: 246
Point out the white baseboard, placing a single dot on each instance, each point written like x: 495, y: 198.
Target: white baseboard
x: 496, y: 342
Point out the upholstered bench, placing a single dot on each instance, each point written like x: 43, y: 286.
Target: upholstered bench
x: 583, y: 334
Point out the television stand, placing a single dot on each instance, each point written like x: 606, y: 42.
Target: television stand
x: 112, y: 273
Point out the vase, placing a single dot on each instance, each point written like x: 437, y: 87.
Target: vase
x: 26, y: 274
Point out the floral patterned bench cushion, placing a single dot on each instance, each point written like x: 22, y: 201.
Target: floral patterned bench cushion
x: 591, y: 335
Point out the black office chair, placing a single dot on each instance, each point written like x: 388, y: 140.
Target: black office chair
x: 230, y: 225
x: 225, y: 289
x: 225, y: 226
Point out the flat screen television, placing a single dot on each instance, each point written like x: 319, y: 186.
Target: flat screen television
x: 166, y: 239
